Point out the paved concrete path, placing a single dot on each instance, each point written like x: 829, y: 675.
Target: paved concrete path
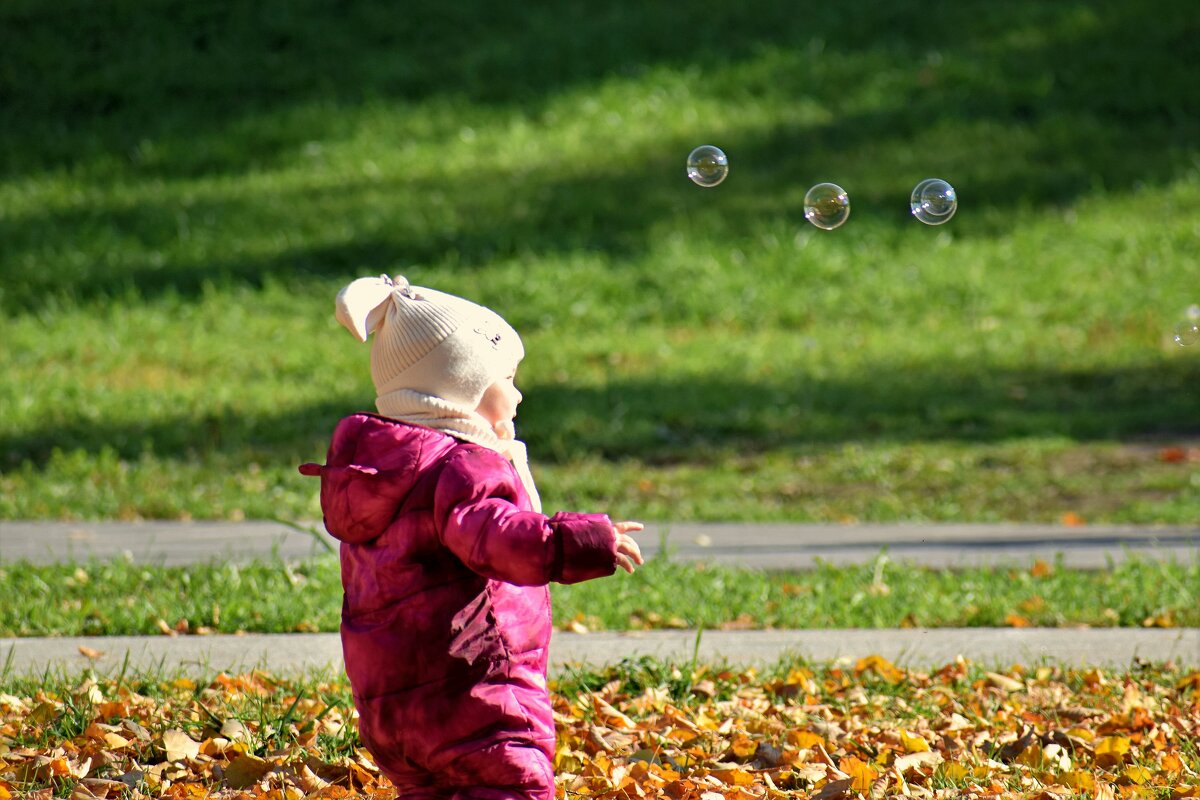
x: 767, y: 546
x: 920, y: 647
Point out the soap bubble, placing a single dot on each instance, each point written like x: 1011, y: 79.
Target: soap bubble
x: 1187, y: 332
x: 707, y: 166
x: 1193, y: 311
x: 933, y: 201
x: 826, y: 205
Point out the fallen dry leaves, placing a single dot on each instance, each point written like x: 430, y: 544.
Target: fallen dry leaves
x: 860, y: 729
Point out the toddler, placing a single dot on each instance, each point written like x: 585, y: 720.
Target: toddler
x: 445, y: 553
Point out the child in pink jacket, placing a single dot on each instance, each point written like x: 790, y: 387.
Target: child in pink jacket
x: 445, y: 553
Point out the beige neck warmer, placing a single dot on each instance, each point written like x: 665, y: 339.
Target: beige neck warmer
x: 441, y: 415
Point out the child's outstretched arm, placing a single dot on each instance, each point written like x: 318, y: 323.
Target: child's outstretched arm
x: 476, y: 512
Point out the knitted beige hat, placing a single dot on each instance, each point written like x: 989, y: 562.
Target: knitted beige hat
x: 433, y: 357
x: 427, y: 341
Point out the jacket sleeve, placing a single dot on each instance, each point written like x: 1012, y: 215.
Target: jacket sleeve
x: 479, y: 520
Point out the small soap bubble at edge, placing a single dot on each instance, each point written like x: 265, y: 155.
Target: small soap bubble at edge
x: 1187, y: 332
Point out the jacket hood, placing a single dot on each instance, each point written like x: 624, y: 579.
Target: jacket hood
x: 371, y: 467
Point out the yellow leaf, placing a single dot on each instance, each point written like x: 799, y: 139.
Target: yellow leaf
x: 1086, y: 734
x: 1111, y: 750
x: 925, y: 758
x: 1004, y: 682
x: 179, y: 746
x: 1165, y: 619
x: 245, y: 771
x: 1079, y: 780
x: 1138, y: 775
x: 43, y: 713
x: 115, y: 741
x: 954, y: 771
x: 1030, y: 756
x: 913, y: 743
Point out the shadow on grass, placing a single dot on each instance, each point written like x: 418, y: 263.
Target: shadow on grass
x: 665, y: 421
x: 1022, y: 102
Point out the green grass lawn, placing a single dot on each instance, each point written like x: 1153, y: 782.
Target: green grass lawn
x: 183, y: 191
x: 119, y: 598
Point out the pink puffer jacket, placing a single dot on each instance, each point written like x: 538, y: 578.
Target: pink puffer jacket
x: 446, y: 616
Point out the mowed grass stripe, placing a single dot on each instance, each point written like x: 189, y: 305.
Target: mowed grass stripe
x: 119, y: 598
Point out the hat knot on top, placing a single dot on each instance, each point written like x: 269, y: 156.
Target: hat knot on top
x: 427, y: 341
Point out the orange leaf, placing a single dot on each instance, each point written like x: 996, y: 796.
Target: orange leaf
x: 734, y: 777
x: 804, y: 739
x: 1040, y: 568
x: 881, y: 667
x: 1172, y: 455
x: 1016, y: 621
x: 1171, y: 762
x: 862, y: 773
x: 1072, y: 520
x: 743, y: 746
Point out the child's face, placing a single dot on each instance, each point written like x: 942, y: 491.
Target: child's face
x: 499, y: 403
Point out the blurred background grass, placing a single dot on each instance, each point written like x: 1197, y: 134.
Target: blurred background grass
x: 183, y: 189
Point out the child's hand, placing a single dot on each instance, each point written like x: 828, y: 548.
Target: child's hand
x: 628, y: 552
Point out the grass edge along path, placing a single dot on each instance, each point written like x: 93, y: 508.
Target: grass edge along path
x: 121, y: 598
